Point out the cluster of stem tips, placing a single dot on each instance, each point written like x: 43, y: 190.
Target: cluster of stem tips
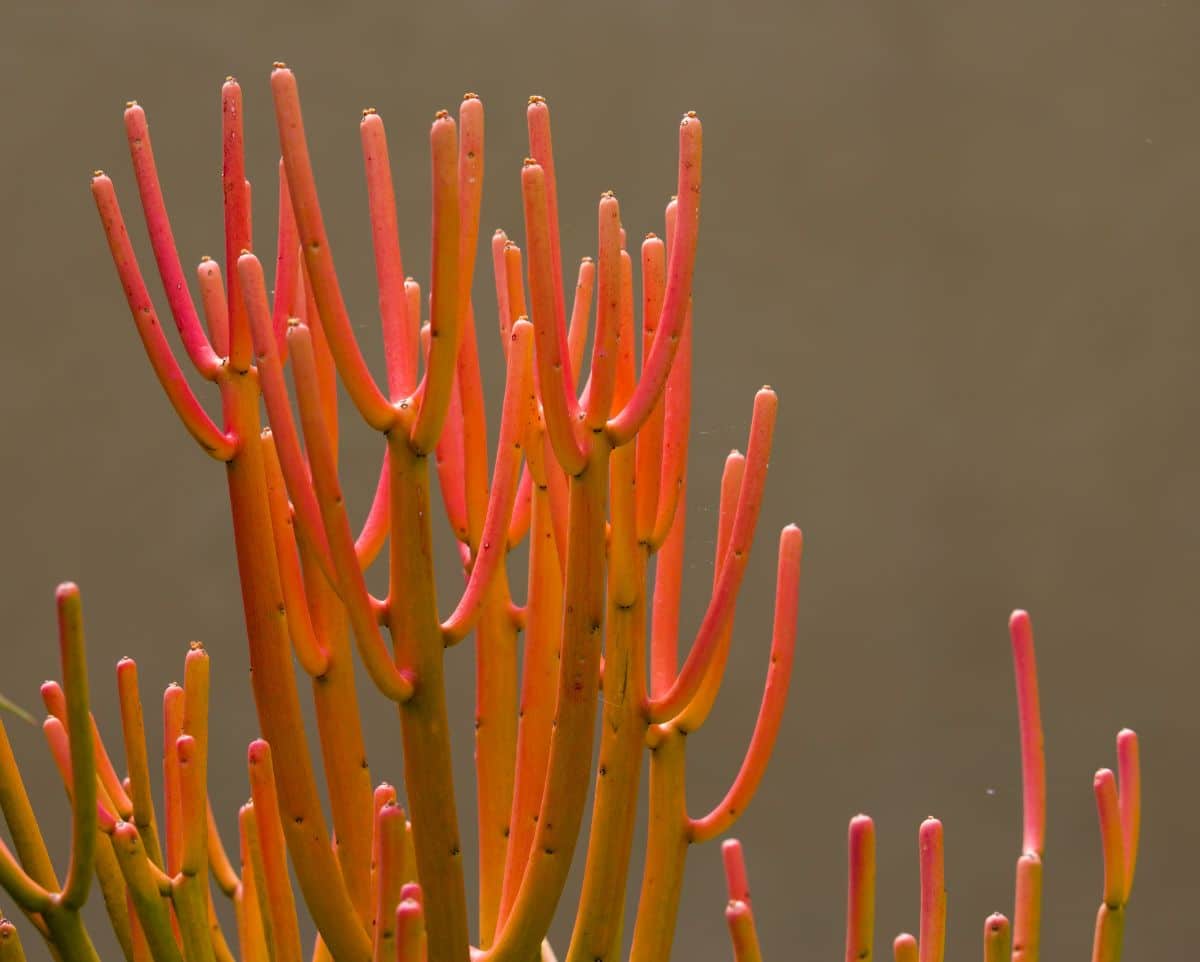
x: 595, y: 477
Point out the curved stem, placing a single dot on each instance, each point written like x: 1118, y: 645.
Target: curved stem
x: 493, y: 544
x: 399, y: 327
x: 680, y: 267
x: 720, y: 607
x: 83, y: 760
x: 162, y: 242
x: 275, y: 696
x: 565, y: 791
x: 285, y: 932
x: 1033, y: 753
x: 860, y: 890
x: 932, y: 942
x: 199, y: 425
x: 554, y: 376
x: 391, y: 680
x: 318, y: 257
x: 543, y: 632
x: 597, y: 930
x: 428, y: 771
x: 770, y: 714
x: 236, y: 191
x: 444, y: 291
x: 666, y: 848
x: 997, y: 939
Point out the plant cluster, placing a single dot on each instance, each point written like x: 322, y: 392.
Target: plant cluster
x: 592, y: 472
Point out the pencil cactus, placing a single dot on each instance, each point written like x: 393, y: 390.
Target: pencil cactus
x: 594, y: 477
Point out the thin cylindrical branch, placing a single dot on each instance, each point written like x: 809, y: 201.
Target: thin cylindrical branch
x: 1027, y: 914
x: 597, y: 930
x: 399, y: 327
x: 737, y: 882
x: 997, y: 939
x: 697, y: 710
x: 680, y: 267
x: 197, y: 422
x: 602, y: 381
x: 449, y: 458
x: 860, y: 890
x: 554, y: 376
x: 1111, y: 839
x: 251, y: 904
x: 212, y: 300
x: 194, y: 762
x: 162, y: 243
x: 650, y: 438
x: 571, y: 743
x: 83, y: 760
x: 1130, y: 797
x: 493, y: 542
x: 236, y: 192
x: 1033, y: 753
x: 577, y: 330
x: 469, y: 385
x: 770, y: 713
x: 391, y: 680
x: 933, y: 892
x: 677, y: 407
x: 27, y: 893
x: 318, y: 257
x: 289, y: 284
x: 410, y: 931
x: 286, y: 440
x: 444, y: 289
x: 389, y: 877
x: 172, y: 712
x: 285, y: 932
x: 189, y: 889
x: 541, y: 149
x: 1110, y: 933
x: 59, y: 744
x: 468, y: 376
x: 543, y: 632
x: 665, y: 608
x: 666, y: 848
x: 275, y: 695
x: 136, y: 758
x: 383, y: 794
x: 416, y: 634
x: 904, y: 948
x: 152, y: 912
x: 23, y: 829
x: 311, y: 654
x: 223, y: 872
x: 724, y: 596
x: 742, y: 932
x: 505, y: 314
x: 374, y: 531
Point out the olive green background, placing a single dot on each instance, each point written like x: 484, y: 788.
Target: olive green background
x: 959, y: 239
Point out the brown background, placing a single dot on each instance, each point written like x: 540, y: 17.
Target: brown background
x: 959, y: 238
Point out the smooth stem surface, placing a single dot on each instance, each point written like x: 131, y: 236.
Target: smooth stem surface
x: 860, y: 890
x: 276, y: 699
x: 571, y: 742
x: 596, y: 934
x: 666, y: 849
x: 543, y: 631
x: 417, y: 636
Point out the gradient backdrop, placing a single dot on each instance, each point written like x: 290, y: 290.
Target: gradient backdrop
x: 959, y: 239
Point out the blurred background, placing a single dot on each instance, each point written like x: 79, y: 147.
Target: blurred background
x: 958, y: 238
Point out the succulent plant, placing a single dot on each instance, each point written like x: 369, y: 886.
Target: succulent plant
x: 595, y: 478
